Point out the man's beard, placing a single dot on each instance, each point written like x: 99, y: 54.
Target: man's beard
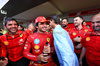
x: 65, y: 26
x: 11, y: 31
x: 96, y: 29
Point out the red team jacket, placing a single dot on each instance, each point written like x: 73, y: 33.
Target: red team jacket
x: 75, y: 33
x: 37, y: 41
x: 92, y: 42
x: 13, y: 45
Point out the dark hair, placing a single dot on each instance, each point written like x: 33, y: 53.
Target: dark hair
x: 56, y: 19
x: 88, y: 25
x: 65, y: 18
x: 20, y: 26
x: 37, y: 23
x: 10, y: 19
x: 79, y: 17
x: 83, y: 22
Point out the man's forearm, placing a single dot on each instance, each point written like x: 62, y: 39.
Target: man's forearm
x: 82, y: 53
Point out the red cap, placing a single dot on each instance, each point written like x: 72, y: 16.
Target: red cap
x: 41, y: 19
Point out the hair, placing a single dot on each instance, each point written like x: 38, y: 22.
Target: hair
x: 20, y: 26
x: 88, y: 25
x: 65, y: 18
x: 79, y: 17
x: 10, y: 19
x: 37, y: 23
x: 83, y: 22
x: 56, y: 19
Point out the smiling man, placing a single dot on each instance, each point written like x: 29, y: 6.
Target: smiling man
x: 77, y: 34
x: 65, y: 24
x: 91, y: 44
x: 12, y: 44
x: 41, y: 43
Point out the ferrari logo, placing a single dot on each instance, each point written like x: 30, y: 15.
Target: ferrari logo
x: 74, y: 33
x: 6, y: 42
x: 88, y: 39
x: 48, y: 39
x: 86, y: 30
x: 21, y: 35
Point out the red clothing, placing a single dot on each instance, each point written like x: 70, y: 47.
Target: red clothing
x: 75, y: 33
x: 28, y: 32
x: 92, y: 43
x: 13, y: 45
x: 0, y: 49
x: 37, y: 41
x: 67, y: 28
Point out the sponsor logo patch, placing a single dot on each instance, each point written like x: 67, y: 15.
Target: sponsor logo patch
x: 36, y: 41
x: 6, y: 42
x: 74, y: 33
x: 88, y: 39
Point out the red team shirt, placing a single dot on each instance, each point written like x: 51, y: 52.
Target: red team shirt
x: 67, y: 28
x: 13, y: 45
x: 37, y: 41
x: 75, y: 33
x: 28, y: 32
x: 92, y: 43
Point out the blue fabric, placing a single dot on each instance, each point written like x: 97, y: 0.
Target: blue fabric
x: 64, y: 47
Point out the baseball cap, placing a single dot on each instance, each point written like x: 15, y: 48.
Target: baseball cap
x: 41, y: 19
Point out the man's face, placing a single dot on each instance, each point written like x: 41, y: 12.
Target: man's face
x: 31, y: 27
x: 77, y: 21
x: 64, y: 22
x: 19, y: 27
x: 42, y: 26
x: 52, y: 23
x: 96, y: 23
x: 12, y: 27
x: 48, y: 27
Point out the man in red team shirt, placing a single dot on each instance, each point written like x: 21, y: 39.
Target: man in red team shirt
x: 12, y: 44
x: 77, y: 34
x: 41, y: 43
x: 91, y: 44
x: 65, y: 24
x: 30, y: 29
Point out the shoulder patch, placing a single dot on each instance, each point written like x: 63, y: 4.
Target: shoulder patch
x: 87, y: 38
x: 6, y: 42
x: 74, y: 33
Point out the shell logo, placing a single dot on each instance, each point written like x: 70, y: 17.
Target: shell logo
x: 88, y: 39
x: 6, y: 42
x: 74, y: 33
x: 36, y: 47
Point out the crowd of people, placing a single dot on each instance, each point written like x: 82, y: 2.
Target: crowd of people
x: 51, y: 43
